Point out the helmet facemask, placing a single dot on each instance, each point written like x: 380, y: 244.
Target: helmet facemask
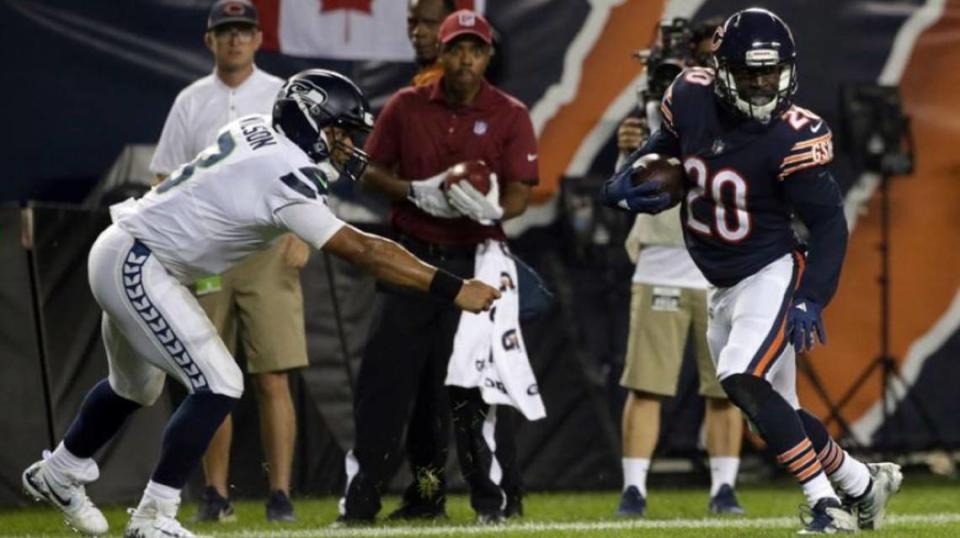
x: 344, y: 155
x: 346, y: 159
x: 759, y: 88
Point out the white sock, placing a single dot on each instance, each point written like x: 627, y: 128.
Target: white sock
x: 723, y: 470
x: 62, y: 463
x: 852, y: 477
x: 817, y: 489
x: 635, y: 473
x: 160, y: 492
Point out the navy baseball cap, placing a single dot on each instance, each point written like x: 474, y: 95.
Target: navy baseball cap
x: 232, y: 11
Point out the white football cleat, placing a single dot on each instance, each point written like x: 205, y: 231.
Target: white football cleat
x: 156, y: 519
x: 71, y: 499
x: 871, y: 508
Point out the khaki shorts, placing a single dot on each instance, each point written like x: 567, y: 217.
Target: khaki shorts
x: 260, y: 301
x: 661, y: 318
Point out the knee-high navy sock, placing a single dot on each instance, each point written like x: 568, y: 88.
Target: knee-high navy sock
x: 101, y: 415
x: 830, y: 454
x: 187, y: 435
x: 778, y: 423
x: 815, y: 429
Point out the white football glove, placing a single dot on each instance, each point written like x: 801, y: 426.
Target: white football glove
x: 483, y: 208
x: 428, y: 196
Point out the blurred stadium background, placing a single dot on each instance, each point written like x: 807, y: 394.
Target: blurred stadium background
x: 89, y: 85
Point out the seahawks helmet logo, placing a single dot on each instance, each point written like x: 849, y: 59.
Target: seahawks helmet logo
x: 306, y: 91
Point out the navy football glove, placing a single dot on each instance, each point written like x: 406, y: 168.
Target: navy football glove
x: 619, y: 192
x: 803, y: 320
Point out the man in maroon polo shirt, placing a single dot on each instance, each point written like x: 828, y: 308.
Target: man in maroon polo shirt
x: 420, y: 134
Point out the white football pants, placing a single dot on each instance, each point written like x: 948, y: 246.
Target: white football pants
x: 153, y: 326
x: 746, y: 330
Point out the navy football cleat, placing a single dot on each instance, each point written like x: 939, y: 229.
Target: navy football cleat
x: 827, y: 517
x: 213, y: 507
x: 725, y: 502
x: 280, y: 508
x: 632, y: 503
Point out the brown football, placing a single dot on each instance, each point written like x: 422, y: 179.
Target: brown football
x: 666, y: 170
x: 477, y: 173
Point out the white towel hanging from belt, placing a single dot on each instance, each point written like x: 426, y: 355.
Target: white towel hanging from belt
x: 488, y: 348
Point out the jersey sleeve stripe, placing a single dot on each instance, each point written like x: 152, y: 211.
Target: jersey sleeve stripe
x: 812, y: 142
x: 797, y: 168
x: 294, y: 183
x: 667, y: 115
x: 797, y: 158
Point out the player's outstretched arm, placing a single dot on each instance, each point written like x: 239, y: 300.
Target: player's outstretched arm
x: 392, y: 263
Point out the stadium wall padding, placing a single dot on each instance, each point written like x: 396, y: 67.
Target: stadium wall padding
x: 23, y: 422
x: 94, y: 76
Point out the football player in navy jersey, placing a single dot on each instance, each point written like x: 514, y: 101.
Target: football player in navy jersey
x: 753, y: 161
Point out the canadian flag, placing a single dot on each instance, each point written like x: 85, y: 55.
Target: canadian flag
x: 341, y: 29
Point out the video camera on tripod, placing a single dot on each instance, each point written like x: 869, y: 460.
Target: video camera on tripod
x: 668, y: 56
x: 878, y: 131
x: 679, y: 44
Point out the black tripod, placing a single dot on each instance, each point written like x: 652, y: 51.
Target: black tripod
x: 880, y: 134
x: 885, y: 361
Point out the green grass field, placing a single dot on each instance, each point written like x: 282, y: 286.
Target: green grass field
x: 926, y: 507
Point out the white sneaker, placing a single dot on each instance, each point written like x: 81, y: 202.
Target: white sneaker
x: 71, y: 499
x: 871, y: 508
x: 156, y: 519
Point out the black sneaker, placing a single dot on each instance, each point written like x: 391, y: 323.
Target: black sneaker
x: 425, y: 510
x: 632, y: 503
x: 279, y: 507
x: 214, y: 507
x: 725, y: 502
x: 827, y: 517
x: 514, y: 507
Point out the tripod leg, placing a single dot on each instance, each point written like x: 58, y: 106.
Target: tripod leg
x: 834, y: 410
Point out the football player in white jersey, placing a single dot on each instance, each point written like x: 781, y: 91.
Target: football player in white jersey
x: 265, y: 176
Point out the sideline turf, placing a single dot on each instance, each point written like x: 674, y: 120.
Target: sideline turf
x: 771, y: 508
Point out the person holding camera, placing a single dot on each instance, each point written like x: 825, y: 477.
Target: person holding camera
x: 668, y: 307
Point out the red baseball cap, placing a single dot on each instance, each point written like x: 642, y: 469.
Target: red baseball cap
x: 465, y: 22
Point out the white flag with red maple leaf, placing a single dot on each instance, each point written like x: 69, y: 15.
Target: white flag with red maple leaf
x: 341, y: 29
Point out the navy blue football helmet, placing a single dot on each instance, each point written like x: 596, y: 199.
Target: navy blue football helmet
x: 755, y: 59
x: 316, y: 99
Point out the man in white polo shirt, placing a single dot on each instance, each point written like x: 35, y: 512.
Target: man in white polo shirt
x: 260, y: 299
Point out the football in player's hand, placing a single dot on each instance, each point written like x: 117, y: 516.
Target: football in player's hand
x: 476, y: 173
x: 666, y: 170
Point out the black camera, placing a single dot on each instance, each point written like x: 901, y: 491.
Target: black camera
x: 877, y: 130
x: 669, y: 55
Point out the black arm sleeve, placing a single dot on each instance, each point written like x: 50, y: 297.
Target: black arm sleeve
x: 816, y: 199
x: 662, y: 141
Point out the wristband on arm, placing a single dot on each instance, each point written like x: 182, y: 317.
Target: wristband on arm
x: 445, y: 285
